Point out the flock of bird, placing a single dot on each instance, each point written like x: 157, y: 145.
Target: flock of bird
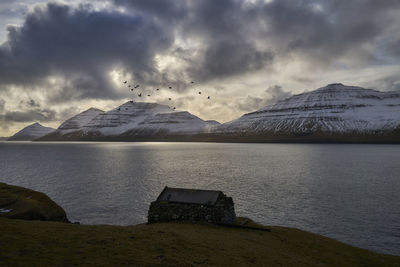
x: 140, y: 94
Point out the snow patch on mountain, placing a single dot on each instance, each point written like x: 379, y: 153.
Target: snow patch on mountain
x: 335, y: 108
x: 31, y: 132
x: 140, y: 118
x: 79, y: 120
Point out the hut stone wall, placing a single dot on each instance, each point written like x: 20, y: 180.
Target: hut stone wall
x: 221, y: 212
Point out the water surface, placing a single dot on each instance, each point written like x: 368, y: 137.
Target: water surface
x: 347, y: 192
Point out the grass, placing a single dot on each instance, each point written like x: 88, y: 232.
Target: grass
x: 46, y: 243
x: 40, y: 243
x: 28, y: 204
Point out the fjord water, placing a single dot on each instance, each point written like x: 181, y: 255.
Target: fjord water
x: 347, y: 192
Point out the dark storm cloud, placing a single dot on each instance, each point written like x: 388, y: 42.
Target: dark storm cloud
x: 226, y: 58
x: 81, y: 45
x: 229, y: 47
x: 42, y: 115
x: 170, y: 10
x: 28, y: 111
x: 219, y: 25
x: 393, y: 47
x: 226, y: 39
x: 2, y: 104
x: 238, y: 38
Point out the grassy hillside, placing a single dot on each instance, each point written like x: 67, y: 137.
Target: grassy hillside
x: 40, y: 243
x: 22, y: 203
x: 45, y: 243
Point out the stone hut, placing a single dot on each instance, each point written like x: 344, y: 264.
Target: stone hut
x: 193, y: 205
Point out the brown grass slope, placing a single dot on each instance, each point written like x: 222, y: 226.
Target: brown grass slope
x: 29, y: 205
x: 39, y: 243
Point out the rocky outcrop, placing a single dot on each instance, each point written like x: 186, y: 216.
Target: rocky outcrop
x: 21, y: 203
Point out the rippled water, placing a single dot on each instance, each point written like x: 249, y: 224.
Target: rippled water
x: 347, y: 192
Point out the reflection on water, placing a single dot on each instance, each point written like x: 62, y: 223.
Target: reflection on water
x: 348, y: 192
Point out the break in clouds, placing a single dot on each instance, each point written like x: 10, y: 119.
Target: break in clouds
x: 58, y: 58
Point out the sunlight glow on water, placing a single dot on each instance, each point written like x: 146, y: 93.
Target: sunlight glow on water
x: 347, y: 192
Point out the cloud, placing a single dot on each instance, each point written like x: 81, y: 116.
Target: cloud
x: 64, y: 53
x: 390, y: 83
x: 270, y: 96
x: 33, y: 114
x: 166, y: 9
x: 217, y: 28
x: 80, y: 45
x: 42, y: 115
x: 234, y: 37
x: 227, y: 38
x: 2, y: 105
x: 229, y: 58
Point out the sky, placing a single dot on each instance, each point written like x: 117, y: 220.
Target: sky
x: 58, y: 58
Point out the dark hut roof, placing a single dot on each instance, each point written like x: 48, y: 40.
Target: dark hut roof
x: 191, y: 196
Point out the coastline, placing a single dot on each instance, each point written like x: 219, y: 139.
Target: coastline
x: 49, y: 243
x: 350, y: 138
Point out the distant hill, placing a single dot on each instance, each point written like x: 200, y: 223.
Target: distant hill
x: 31, y: 132
x: 135, y: 121
x: 335, y: 108
x: 334, y: 113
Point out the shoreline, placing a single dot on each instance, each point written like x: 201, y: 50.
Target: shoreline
x: 52, y: 240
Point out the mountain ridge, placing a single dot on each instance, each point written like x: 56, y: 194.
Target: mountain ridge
x: 31, y: 132
x: 335, y: 108
x: 333, y: 113
x: 135, y: 120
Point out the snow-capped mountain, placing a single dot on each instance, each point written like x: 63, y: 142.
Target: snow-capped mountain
x: 333, y: 109
x: 31, y: 132
x: 79, y: 120
x: 132, y: 120
x: 125, y: 117
x: 334, y: 113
